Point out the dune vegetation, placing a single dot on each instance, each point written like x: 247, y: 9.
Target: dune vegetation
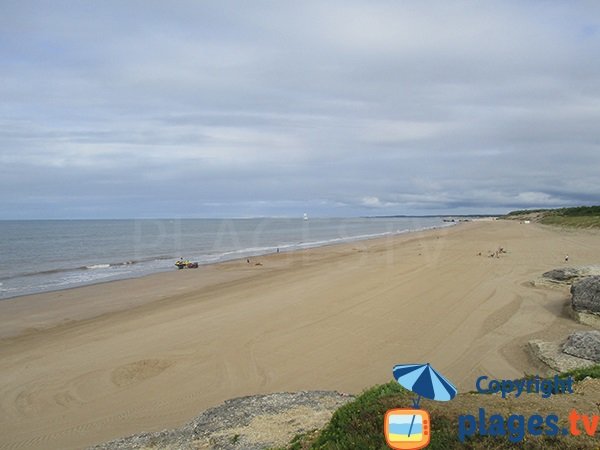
x: 579, y: 217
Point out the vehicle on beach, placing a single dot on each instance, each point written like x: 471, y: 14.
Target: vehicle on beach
x: 181, y: 264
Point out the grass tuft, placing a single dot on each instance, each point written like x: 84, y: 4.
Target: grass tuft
x: 359, y: 424
x: 581, y: 374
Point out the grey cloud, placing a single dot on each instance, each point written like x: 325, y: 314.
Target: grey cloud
x: 339, y: 108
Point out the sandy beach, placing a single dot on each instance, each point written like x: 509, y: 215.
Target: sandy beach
x: 87, y: 365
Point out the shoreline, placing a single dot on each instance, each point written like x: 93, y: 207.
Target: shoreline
x: 41, y: 297
x: 95, y: 363
x: 241, y: 254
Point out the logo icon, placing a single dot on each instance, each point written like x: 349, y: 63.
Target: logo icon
x: 410, y: 429
x: 407, y: 429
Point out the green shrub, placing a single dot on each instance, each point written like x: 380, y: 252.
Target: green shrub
x: 359, y: 424
x: 580, y: 374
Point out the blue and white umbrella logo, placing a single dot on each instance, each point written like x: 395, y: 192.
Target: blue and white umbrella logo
x: 424, y: 381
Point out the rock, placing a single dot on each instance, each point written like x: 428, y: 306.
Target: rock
x: 551, y: 354
x: 562, y: 274
x: 250, y: 423
x: 565, y: 276
x: 584, y: 344
x: 590, y: 319
x: 586, y: 295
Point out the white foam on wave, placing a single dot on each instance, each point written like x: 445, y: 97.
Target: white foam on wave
x: 98, y: 266
x: 82, y: 277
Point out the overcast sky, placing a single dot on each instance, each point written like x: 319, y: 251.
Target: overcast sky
x: 114, y: 109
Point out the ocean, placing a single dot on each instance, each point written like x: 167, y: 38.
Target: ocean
x: 46, y: 255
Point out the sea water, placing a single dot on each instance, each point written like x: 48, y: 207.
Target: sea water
x: 44, y: 255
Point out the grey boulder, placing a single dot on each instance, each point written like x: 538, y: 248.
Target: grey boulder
x: 563, y: 274
x: 584, y: 344
x: 586, y: 295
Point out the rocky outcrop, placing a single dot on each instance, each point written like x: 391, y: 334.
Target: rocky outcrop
x: 584, y: 344
x: 552, y: 355
x: 250, y: 423
x: 586, y: 295
x: 563, y: 274
x: 593, y: 320
x: 581, y: 348
x: 568, y: 275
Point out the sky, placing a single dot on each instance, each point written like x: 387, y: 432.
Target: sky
x: 132, y: 109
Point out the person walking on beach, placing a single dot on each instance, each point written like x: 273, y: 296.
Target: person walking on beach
x: 567, y: 258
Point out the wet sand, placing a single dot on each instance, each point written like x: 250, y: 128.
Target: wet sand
x: 90, y: 364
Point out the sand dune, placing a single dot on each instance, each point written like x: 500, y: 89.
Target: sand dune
x: 91, y: 364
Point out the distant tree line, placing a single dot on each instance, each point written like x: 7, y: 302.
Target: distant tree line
x: 581, y: 211
x: 526, y: 211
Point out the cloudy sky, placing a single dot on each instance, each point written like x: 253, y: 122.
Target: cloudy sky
x: 112, y: 109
